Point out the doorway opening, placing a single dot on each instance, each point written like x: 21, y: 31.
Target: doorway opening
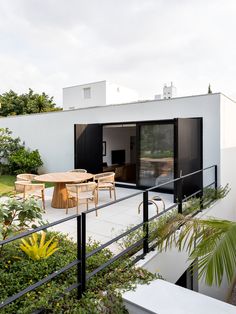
x: 119, y: 151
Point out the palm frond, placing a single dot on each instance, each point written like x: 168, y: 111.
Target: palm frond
x: 212, y: 242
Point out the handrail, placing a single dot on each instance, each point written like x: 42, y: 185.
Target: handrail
x: 82, y: 255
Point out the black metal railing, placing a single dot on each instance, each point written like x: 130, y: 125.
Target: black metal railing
x: 83, y: 255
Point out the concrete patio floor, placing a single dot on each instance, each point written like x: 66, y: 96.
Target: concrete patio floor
x: 111, y: 220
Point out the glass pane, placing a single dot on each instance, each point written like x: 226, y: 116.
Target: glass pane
x: 156, y: 154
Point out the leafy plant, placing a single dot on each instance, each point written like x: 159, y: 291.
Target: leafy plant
x: 25, y: 161
x: 41, y: 250
x: 16, y: 216
x: 102, y: 294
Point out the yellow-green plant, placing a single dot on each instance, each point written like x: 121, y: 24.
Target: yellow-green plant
x: 41, y: 250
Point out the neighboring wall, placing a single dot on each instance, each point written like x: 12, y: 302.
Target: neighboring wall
x: 228, y: 149
x: 117, y: 138
x: 53, y: 133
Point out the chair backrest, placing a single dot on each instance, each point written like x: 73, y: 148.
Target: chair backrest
x: 102, y: 175
x: 81, y: 187
x: 25, y: 177
x: 78, y: 170
x: 27, y: 186
x: 107, y: 177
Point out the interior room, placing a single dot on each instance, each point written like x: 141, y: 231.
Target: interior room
x: 119, y: 151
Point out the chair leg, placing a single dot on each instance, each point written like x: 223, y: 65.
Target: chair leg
x: 43, y: 200
x: 67, y: 205
x: 110, y: 192
x: 87, y: 204
x: 114, y: 194
x: 77, y: 207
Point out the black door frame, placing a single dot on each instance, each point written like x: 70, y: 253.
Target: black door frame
x: 175, y: 148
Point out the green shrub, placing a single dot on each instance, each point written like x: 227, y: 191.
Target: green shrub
x: 18, y: 271
x: 8, y: 145
x: 16, y: 216
x: 25, y: 161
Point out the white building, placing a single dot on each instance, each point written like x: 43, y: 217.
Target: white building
x: 118, y: 128
x: 168, y: 92
x: 96, y: 94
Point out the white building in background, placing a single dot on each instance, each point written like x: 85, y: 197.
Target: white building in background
x: 96, y: 94
x: 168, y: 92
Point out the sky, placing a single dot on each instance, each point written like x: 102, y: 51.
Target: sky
x: 142, y: 44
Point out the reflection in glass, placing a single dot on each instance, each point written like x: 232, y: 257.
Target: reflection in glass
x: 156, y: 154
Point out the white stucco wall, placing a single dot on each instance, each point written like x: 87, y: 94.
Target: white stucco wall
x: 73, y: 97
x: 53, y: 133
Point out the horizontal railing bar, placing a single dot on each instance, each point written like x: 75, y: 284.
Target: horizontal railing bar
x: 180, y: 178
x: 193, y: 194
x: 113, y: 202
x: 149, y: 189
x: 113, y: 259
x: 25, y: 234
x: 103, y: 246
x: 163, y: 212
x: 72, y: 287
x: 39, y: 283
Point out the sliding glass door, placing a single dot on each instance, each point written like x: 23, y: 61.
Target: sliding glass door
x: 156, y: 154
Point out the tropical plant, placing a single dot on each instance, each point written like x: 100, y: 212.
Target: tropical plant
x: 39, y: 250
x: 102, y: 295
x: 211, y: 241
x: 16, y: 216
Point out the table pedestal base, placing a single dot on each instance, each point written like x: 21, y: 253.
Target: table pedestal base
x: 59, y: 198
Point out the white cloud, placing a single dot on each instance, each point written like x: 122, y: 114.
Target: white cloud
x: 47, y: 45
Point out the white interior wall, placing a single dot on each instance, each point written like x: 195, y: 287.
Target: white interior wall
x: 53, y: 133
x: 117, y: 138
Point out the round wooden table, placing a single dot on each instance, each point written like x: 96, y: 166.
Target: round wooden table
x: 59, y: 198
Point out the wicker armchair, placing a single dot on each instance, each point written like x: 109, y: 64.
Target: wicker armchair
x: 25, y: 177
x: 26, y: 189
x: 78, y: 170
x: 83, y: 193
x: 106, y: 181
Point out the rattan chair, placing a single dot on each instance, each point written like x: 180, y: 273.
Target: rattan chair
x: 78, y: 170
x: 83, y: 193
x: 25, y: 177
x: 106, y: 181
x: 26, y: 189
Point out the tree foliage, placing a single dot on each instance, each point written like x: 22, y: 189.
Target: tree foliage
x: 31, y: 102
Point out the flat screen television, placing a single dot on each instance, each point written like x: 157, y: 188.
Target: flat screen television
x: 118, y: 156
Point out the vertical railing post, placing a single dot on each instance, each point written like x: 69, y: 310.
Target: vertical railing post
x: 216, y: 180
x: 79, y: 265
x: 83, y: 252
x: 180, y: 195
x: 145, y: 223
